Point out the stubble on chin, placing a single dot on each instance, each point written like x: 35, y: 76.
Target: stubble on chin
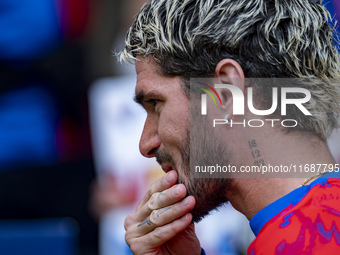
x: 209, y: 194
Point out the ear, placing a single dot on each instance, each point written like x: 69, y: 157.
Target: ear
x: 229, y: 72
x: 228, y: 69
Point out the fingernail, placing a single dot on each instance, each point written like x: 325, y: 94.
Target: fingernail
x: 184, y: 218
x: 169, y: 177
x: 151, y: 200
x: 185, y: 202
x: 175, y: 191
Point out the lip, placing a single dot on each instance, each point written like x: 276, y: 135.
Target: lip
x: 167, y: 167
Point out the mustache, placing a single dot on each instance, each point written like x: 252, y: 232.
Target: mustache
x: 163, y: 157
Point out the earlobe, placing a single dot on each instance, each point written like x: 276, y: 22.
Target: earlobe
x: 227, y: 102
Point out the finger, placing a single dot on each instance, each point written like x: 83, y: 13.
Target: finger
x: 162, y: 234
x: 161, y: 199
x: 163, y: 183
x: 159, y: 236
x: 165, y: 215
x: 167, y: 197
x: 142, y: 210
x: 158, y: 200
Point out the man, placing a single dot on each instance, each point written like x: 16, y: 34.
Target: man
x: 230, y: 41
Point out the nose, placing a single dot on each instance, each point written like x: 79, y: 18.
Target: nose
x: 150, y: 141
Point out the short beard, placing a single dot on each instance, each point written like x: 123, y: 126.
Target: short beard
x: 210, y: 193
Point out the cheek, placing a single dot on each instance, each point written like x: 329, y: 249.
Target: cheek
x: 173, y: 127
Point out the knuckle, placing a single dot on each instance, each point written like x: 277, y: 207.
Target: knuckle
x: 134, y: 243
x: 152, y: 202
x: 153, y: 218
x: 128, y: 238
x: 128, y: 221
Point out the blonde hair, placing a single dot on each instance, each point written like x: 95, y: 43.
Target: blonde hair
x: 268, y: 38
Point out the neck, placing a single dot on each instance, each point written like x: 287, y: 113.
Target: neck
x: 254, y: 194
x: 250, y: 195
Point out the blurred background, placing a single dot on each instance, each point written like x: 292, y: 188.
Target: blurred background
x: 51, y: 53
x: 70, y: 169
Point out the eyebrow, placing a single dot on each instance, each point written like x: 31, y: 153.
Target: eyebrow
x: 141, y: 97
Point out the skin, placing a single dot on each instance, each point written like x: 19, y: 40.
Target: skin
x: 167, y: 231
x: 162, y: 221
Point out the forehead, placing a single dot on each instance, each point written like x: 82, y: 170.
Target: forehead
x: 145, y: 63
x: 151, y: 80
x: 147, y: 67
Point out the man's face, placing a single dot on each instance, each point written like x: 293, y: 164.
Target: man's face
x: 166, y: 134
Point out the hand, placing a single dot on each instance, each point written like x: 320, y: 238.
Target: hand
x: 161, y: 224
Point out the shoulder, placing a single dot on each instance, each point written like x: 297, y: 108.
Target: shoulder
x: 312, y: 225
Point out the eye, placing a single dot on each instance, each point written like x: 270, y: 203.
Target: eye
x: 152, y: 102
